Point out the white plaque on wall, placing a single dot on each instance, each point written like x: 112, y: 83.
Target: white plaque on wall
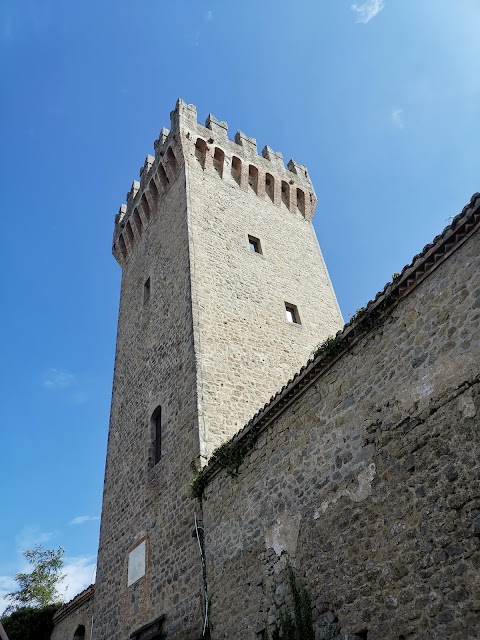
x: 136, y: 564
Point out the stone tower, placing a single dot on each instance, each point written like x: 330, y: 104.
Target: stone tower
x: 224, y: 296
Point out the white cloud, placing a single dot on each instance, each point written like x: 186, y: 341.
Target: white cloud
x: 368, y: 10
x: 79, y: 574
x: 397, y: 117
x: 83, y: 519
x: 208, y: 16
x: 58, y: 379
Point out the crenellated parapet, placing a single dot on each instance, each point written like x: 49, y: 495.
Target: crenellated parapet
x: 235, y: 161
x: 142, y: 200
x: 238, y: 160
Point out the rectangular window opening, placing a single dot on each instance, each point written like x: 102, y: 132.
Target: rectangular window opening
x: 291, y: 313
x: 146, y: 290
x: 254, y: 245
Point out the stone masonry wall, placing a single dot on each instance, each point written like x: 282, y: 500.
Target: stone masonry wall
x: 368, y: 484
x: 246, y: 349
x: 154, y: 366
x: 78, y: 615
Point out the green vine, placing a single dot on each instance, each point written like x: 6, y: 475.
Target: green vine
x: 376, y: 317
x: 358, y: 314
x: 296, y: 624
x: 363, y: 320
x: 328, y: 347
x: 228, y: 456
x: 199, y: 482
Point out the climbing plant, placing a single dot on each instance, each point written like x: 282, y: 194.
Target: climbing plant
x: 362, y: 321
x: 228, y: 456
x: 296, y: 622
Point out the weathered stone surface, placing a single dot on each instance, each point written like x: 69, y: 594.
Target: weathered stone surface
x: 385, y: 489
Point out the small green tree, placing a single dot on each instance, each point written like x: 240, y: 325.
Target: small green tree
x: 27, y: 623
x: 38, y: 589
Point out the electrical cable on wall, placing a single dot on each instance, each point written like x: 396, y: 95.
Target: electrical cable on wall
x: 205, y: 623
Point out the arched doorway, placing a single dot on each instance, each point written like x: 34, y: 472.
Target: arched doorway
x: 79, y: 633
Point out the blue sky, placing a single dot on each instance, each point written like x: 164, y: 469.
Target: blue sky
x: 380, y: 99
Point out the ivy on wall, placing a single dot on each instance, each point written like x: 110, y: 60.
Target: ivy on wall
x: 296, y: 622
x: 228, y: 456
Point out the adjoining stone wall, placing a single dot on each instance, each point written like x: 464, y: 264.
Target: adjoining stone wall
x: 368, y: 484
x: 73, y: 616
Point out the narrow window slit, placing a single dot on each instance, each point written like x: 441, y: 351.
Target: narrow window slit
x: 157, y: 435
x: 286, y: 194
x: 301, y: 201
x: 270, y: 186
x: 146, y: 290
x: 201, y: 151
x: 218, y: 160
x: 236, y: 169
x: 253, y: 177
